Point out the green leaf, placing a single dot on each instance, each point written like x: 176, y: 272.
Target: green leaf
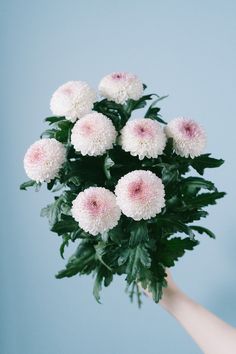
x: 64, y: 244
x: 108, y: 163
x: 100, y: 251
x: 116, y: 234
x: 153, y: 111
x: 191, y: 185
x: 156, y: 282
x: 102, y: 275
x: 123, y: 257
x: 83, y: 261
x: 98, y: 285
x: 201, y: 162
x: 169, y: 147
x: 173, y: 224
x: 132, y: 290
x: 138, y: 258
x: 204, y: 199
x: 64, y: 131
x: 112, y: 110
x: 52, y: 120
x: 202, y: 230
x: 67, y: 224
x: 50, y: 184
x: 169, y: 173
x: 28, y: 184
x: 132, y: 105
x: 188, y: 216
x: 54, y: 210
x: 79, y: 233
x: 49, y: 133
x: 169, y: 251
x: 139, y: 234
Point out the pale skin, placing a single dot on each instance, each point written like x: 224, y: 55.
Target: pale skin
x: 213, y: 335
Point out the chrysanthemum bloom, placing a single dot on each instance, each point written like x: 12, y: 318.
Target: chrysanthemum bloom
x: 43, y: 159
x: 140, y: 194
x: 189, y: 138
x: 95, y: 210
x: 73, y: 100
x: 120, y: 86
x: 93, y: 134
x: 143, y: 138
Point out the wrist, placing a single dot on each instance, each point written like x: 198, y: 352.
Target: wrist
x: 170, y: 297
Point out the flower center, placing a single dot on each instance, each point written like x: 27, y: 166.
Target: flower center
x: 189, y: 129
x: 118, y: 76
x: 142, y: 131
x: 67, y: 90
x: 136, y: 190
x: 86, y: 129
x: 36, y: 156
x: 93, y: 206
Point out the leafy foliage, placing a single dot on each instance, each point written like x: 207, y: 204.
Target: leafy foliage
x: 139, y: 250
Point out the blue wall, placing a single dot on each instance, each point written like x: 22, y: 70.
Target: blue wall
x: 183, y: 48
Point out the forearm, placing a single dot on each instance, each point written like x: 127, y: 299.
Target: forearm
x: 213, y: 335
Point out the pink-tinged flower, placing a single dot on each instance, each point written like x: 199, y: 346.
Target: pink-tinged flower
x: 93, y: 134
x: 43, y: 159
x: 189, y: 138
x: 140, y: 194
x: 120, y: 86
x: 73, y: 100
x: 143, y: 138
x: 95, y: 210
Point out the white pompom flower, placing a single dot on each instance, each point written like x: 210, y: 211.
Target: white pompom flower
x: 43, y: 159
x: 93, y: 134
x: 140, y: 194
x: 96, y: 210
x: 73, y: 100
x: 120, y: 86
x: 143, y: 138
x: 189, y: 138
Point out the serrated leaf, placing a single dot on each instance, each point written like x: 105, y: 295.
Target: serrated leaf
x: 190, y: 184
x: 138, y: 258
x: 156, y: 282
x: 54, y: 210
x: 201, y: 162
x: 123, y: 257
x: 64, y: 244
x: 66, y: 224
x: 116, y: 234
x: 153, y: 111
x: 132, y: 105
x: 83, y: 261
x: 100, y: 251
x: 169, y: 173
x: 173, y: 224
x: 54, y: 119
x: 204, y: 199
x: 49, y: 133
x: 139, y: 234
x: 202, y: 230
x: 108, y: 163
x: 27, y: 184
x: 169, y: 251
x: 103, y: 276
x: 98, y: 285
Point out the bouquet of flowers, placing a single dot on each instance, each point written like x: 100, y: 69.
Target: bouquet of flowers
x: 126, y: 188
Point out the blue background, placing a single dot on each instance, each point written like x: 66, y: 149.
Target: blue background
x: 182, y: 48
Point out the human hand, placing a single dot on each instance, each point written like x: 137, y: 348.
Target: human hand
x: 168, y: 293
x: 197, y: 320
